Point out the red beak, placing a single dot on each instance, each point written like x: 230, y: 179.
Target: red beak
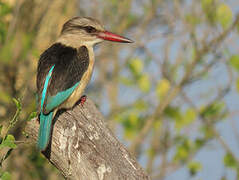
x: 106, y: 35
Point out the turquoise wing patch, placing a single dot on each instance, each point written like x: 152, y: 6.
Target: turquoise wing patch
x: 54, y: 101
x: 48, y: 77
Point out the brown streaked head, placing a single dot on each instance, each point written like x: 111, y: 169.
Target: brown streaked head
x: 87, y: 31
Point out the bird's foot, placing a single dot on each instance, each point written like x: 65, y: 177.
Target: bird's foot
x: 82, y: 100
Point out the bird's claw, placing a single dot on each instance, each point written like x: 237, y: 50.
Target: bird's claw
x: 83, y: 100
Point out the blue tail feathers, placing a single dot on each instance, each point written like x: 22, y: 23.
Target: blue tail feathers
x: 45, y: 130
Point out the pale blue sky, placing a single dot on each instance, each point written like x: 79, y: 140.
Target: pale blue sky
x: 211, y: 156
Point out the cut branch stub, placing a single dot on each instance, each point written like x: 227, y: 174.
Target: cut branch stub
x: 83, y: 147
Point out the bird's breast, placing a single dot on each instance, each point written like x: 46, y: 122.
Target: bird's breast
x: 78, y: 92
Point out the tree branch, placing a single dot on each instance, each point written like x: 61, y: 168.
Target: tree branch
x: 83, y: 147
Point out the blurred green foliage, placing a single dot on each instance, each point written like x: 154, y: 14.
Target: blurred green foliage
x: 217, y: 12
x: 162, y: 88
x: 150, y: 69
x: 234, y: 61
x: 224, y: 15
x: 7, y: 141
x: 5, y: 10
x: 194, y: 167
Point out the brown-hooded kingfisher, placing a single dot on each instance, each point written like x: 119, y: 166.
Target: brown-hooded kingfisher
x: 65, y: 68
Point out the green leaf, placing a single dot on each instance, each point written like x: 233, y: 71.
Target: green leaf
x: 208, y: 7
x: 8, y: 142
x: 188, y: 118
x: 10, y: 137
x: 212, y: 110
x: 234, y: 62
x: 133, y: 118
x: 224, y: 15
x: 144, y: 83
x: 229, y: 161
x: 129, y: 133
x: 182, y: 154
x: 18, y: 104
x: 194, y: 167
x: 32, y: 115
x: 6, y: 176
x: 4, y: 9
x: 199, y: 142
x: 162, y: 88
x: 131, y: 122
x: 136, y: 66
x: 183, y: 151
x: 173, y: 112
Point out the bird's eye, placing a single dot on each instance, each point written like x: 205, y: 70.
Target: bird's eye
x: 90, y: 29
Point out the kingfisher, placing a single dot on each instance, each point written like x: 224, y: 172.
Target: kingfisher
x: 65, y: 68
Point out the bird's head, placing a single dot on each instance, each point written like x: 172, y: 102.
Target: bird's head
x: 87, y: 31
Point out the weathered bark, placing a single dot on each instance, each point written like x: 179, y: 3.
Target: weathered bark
x: 83, y: 147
